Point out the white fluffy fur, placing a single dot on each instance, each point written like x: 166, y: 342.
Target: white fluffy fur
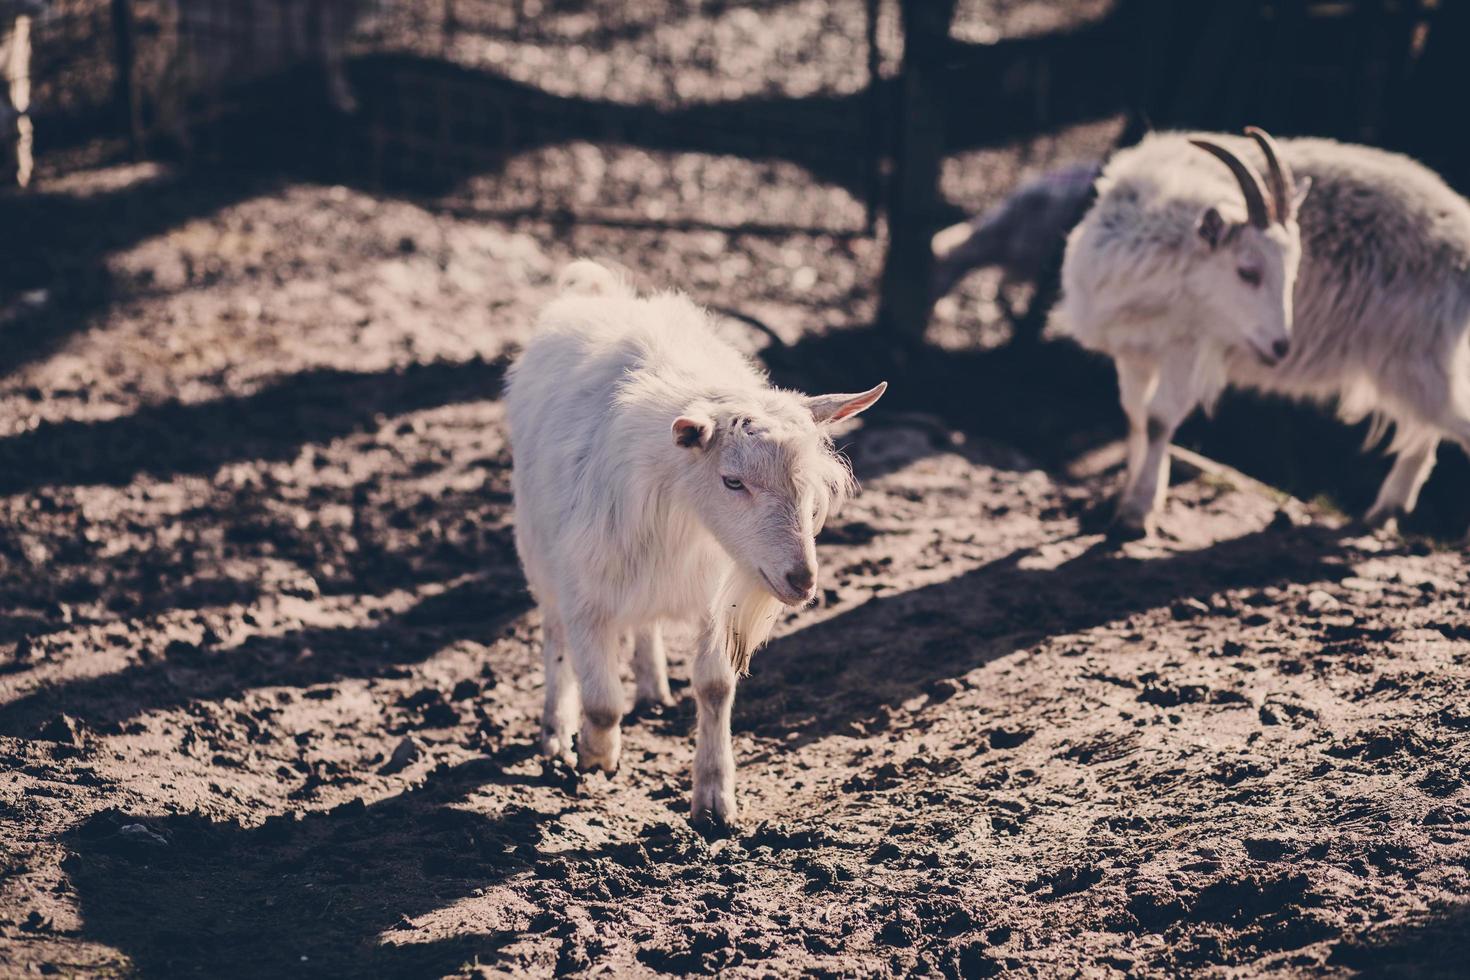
x: 1371, y: 285
x: 627, y: 416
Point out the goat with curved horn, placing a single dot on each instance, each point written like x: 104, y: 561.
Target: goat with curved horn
x: 1278, y: 174
x: 1354, y: 294
x: 1257, y: 212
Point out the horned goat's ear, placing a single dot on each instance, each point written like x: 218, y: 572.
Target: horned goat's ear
x: 833, y: 408
x: 1303, y: 188
x: 692, y: 431
x: 1211, y: 227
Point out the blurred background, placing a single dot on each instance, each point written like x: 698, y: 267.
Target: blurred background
x: 207, y: 194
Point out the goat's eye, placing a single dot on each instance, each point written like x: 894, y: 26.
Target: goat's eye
x: 732, y: 484
x: 1251, y: 277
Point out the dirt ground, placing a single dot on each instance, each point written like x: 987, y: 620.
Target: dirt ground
x: 270, y: 678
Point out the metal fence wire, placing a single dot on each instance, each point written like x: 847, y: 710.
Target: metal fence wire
x: 623, y: 109
x: 431, y: 92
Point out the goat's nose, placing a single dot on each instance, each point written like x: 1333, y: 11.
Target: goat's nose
x: 801, y: 579
x: 1281, y: 348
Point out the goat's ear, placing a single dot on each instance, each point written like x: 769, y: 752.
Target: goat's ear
x: 693, y: 430
x: 833, y: 408
x: 1211, y: 227
x: 1303, y: 187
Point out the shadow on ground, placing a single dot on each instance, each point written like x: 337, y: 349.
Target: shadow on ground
x: 900, y: 645
x: 314, y: 896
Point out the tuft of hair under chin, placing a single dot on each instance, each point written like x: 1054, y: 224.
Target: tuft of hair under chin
x: 749, y: 612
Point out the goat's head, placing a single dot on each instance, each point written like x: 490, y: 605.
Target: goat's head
x: 761, y: 473
x: 1248, y: 269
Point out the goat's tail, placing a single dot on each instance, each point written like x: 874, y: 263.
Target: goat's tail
x: 584, y: 277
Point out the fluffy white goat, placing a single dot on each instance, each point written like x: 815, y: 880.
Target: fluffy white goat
x: 1194, y: 276
x: 659, y: 477
x: 1020, y: 235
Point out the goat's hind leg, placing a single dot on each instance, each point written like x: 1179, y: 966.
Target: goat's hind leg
x: 651, y: 668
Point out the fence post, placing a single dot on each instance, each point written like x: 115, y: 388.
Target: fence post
x: 906, y: 290
x: 124, y: 90
x: 877, y: 142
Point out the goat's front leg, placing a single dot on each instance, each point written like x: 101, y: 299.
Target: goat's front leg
x: 651, y: 668
x: 714, y: 755
x: 1157, y: 397
x: 594, y: 648
x: 559, y: 716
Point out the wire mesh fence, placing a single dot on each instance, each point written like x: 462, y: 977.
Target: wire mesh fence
x: 429, y: 93
x: 622, y: 111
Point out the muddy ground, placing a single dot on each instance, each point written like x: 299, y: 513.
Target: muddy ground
x: 269, y: 675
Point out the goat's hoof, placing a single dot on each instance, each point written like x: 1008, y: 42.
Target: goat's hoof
x: 714, y: 812
x: 608, y: 767
x: 1128, y: 529
x: 653, y: 705
x: 599, y: 748
x: 712, y: 825
x: 1381, y: 518
x: 556, y: 747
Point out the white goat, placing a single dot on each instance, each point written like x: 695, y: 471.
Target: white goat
x: 659, y: 477
x: 1020, y: 235
x: 1194, y: 276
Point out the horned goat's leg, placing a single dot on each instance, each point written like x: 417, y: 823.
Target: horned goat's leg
x: 1157, y: 401
x: 1400, y: 491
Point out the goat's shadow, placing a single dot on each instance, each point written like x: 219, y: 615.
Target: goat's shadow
x: 1436, y: 945
x: 313, y: 895
x: 481, y: 609
x: 1056, y: 402
x: 273, y: 423
x: 78, y: 587
x: 847, y: 670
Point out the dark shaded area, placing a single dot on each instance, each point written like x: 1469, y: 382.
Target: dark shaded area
x: 1052, y: 402
x: 1056, y: 401
x: 479, y: 610
x: 271, y: 424
x: 67, y: 240
x: 1309, y: 454
x: 941, y: 631
x: 308, y: 896
x: 1437, y: 945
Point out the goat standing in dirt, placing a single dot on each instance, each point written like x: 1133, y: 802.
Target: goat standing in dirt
x: 1194, y: 276
x: 1022, y: 235
x: 659, y: 477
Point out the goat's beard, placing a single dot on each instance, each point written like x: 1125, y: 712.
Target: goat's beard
x: 746, y: 612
